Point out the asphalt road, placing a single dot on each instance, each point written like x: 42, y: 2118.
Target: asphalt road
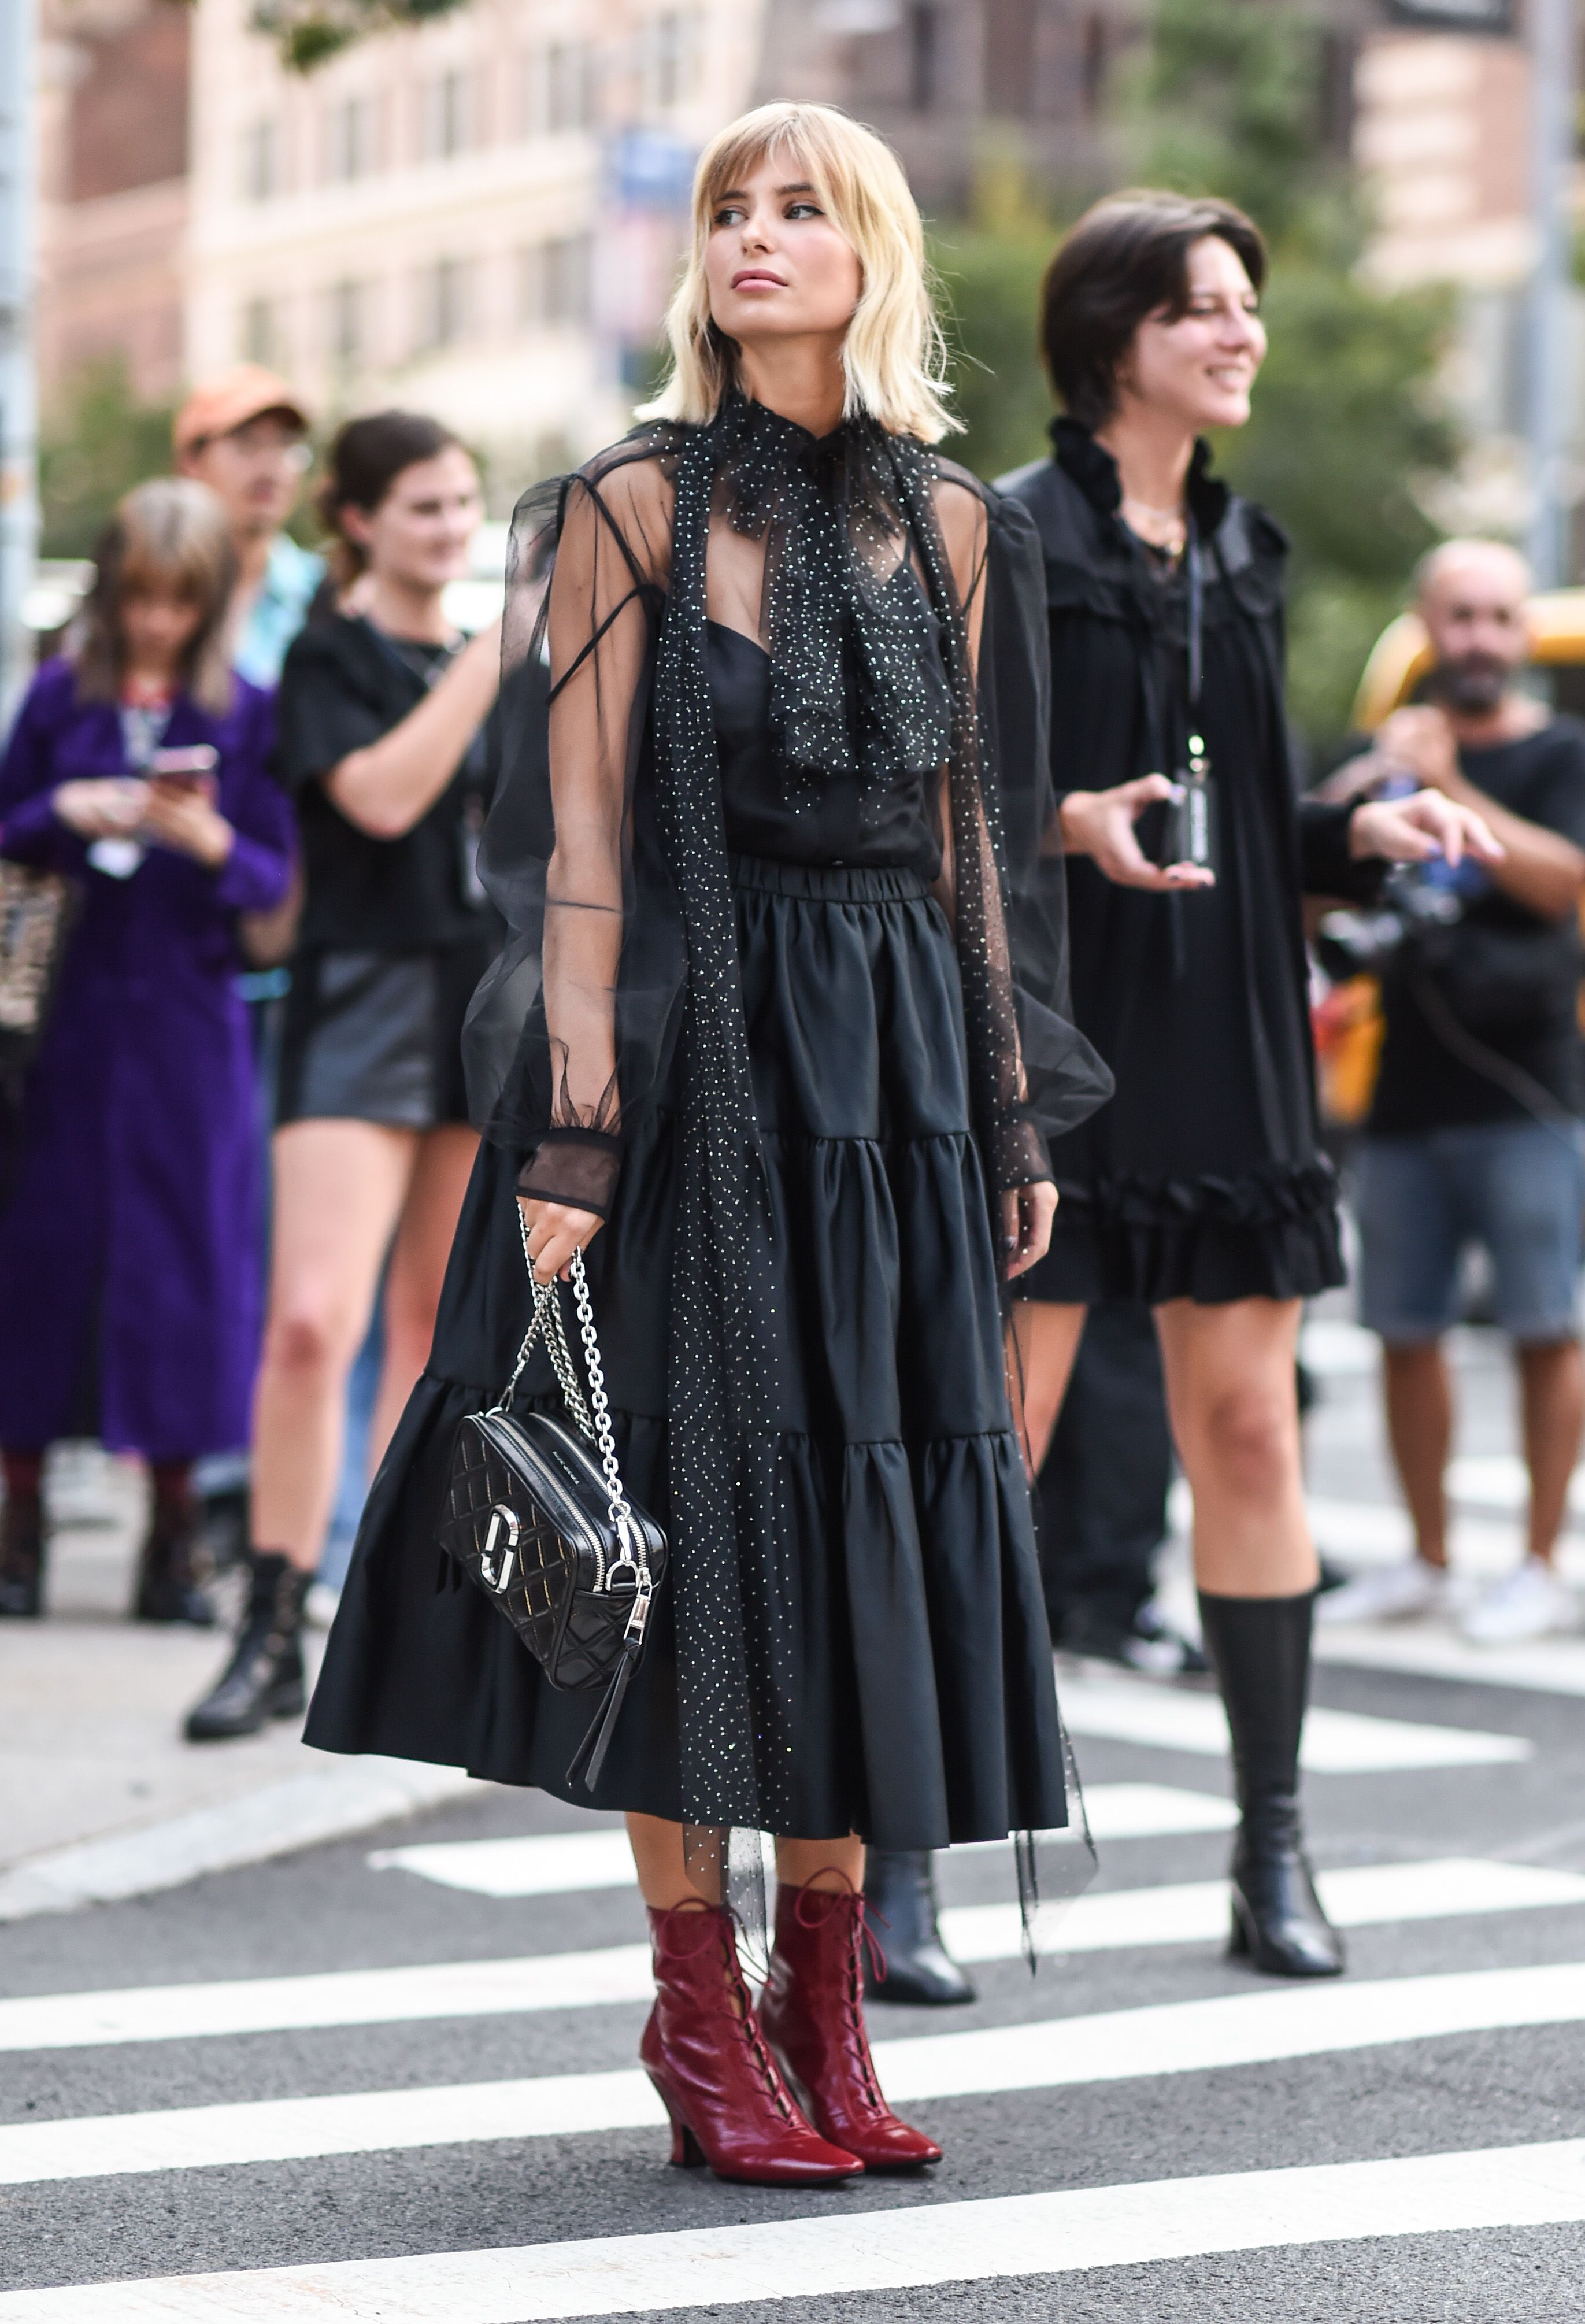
x: 1349, y: 2080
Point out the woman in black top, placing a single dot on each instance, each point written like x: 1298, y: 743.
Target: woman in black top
x: 757, y: 1048
x: 1201, y: 1189
x: 381, y: 715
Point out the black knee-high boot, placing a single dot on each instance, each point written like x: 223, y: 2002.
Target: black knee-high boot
x: 1260, y: 1648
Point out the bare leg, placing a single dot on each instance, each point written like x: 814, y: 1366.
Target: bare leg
x: 1047, y: 1337
x: 417, y: 1269
x: 1551, y: 1383
x: 1230, y: 1391
x: 1420, y: 1425
x: 340, y: 1189
x: 666, y: 1882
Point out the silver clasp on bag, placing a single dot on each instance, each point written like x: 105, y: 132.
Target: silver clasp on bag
x: 502, y: 1520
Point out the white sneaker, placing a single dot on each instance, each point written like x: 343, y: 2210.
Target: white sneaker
x: 319, y: 1606
x: 1386, y: 1593
x: 1531, y: 1603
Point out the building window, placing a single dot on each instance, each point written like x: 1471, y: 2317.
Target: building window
x: 258, y: 332
x: 924, y: 60
x: 348, y: 324
x: 670, y: 59
x: 260, y: 162
x: 450, y: 128
x: 445, y: 303
x: 554, y: 281
x: 349, y: 140
x: 561, y: 90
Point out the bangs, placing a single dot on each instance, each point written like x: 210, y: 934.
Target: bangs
x: 151, y: 567
x: 738, y: 157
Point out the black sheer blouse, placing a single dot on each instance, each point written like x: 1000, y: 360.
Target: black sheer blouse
x: 1197, y: 1002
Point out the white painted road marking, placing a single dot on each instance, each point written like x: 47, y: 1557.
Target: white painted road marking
x: 833, y: 2253
x: 1190, y: 1913
x: 1180, y: 2037
x: 551, y: 1864
x: 1336, y: 1742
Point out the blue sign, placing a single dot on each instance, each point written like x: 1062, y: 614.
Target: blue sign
x: 651, y: 171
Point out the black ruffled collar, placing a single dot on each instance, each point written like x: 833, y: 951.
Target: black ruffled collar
x: 1094, y: 471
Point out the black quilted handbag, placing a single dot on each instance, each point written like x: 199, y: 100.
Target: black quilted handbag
x: 548, y: 1532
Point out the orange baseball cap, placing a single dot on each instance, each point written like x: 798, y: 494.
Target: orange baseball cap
x: 230, y: 399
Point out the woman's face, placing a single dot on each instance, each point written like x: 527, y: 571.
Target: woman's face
x: 775, y: 264
x: 159, y: 622
x: 418, y: 535
x: 1199, y: 366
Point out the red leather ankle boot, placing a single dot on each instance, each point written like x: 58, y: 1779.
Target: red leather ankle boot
x: 813, y: 2012
x: 704, y: 2052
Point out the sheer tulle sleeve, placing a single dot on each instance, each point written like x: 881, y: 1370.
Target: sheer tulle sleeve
x: 1010, y: 892
x: 571, y: 1033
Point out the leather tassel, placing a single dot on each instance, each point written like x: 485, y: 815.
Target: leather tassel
x: 590, y: 1754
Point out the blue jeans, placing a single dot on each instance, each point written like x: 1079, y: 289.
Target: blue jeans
x: 1513, y: 1186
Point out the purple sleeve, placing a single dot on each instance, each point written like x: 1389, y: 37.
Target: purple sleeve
x: 257, y: 873
x: 30, y: 832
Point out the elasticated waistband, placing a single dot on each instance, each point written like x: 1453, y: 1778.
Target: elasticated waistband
x: 830, y: 883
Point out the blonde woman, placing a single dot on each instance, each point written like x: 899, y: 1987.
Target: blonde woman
x: 755, y: 1048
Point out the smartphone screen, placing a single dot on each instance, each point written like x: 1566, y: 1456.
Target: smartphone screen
x: 186, y: 769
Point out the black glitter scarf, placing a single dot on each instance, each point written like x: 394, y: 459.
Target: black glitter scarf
x: 867, y: 680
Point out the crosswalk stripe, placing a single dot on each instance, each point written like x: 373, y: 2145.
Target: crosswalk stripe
x: 1336, y: 1742
x: 550, y: 1864
x: 845, y: 2251
x: 1547, y: 1666
x: 1188, y: 1913
x: 1111, y: 2045
x: 1357, y: 1896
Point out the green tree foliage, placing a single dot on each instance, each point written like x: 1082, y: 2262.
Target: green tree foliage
x: 987, y: 271
x: 1225, y: 98
x: 309, y: 33
x: 96, y: 441
x: 1348, y: 428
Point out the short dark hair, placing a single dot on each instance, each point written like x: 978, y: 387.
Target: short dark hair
x: 1127, y: 258
x: 365, y: 458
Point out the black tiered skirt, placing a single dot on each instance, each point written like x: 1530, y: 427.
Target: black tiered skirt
x: 924, y: 1694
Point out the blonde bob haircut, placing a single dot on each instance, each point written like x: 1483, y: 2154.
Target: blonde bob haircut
x: 894, y: 355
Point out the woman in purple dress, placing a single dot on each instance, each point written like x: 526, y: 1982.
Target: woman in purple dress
x: 131, y: 1239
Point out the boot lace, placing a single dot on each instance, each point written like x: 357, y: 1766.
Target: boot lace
x: 817, y: 1908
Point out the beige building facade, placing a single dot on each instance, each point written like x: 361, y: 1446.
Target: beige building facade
x: 478, y: 217
x: 113, y: 190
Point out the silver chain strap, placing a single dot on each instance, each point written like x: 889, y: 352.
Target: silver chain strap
x: 547, y: 1320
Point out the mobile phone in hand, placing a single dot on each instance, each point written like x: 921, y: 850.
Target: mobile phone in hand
x: 190, y: 770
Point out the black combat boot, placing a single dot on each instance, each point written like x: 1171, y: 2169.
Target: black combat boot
x: 22, y: 1558
x: 265, y: 1678
x: 168, y: 1587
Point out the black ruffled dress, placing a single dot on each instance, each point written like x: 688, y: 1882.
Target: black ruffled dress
x: 1205, y: 1178
x: 743, y: 795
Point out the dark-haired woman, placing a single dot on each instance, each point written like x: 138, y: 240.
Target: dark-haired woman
x: 381, y: 715
x: 130, y: 1214
x: 1201, y: 1189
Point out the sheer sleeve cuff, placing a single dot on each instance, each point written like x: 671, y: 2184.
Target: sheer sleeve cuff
x: 579, y: 1168
x: 1024, y: 1159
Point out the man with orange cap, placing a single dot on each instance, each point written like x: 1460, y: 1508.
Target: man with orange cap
x: 242, y: 433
